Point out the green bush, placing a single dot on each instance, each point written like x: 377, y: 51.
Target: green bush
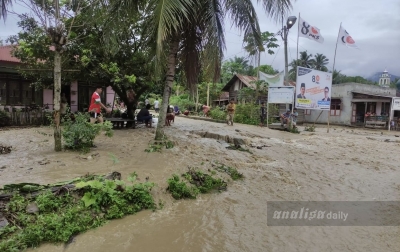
x: 247, y: 114
x: 61, y: 216
x: 79, y: 134
x: 5, y: 119
x: 217, y: 114
x: 182, y: 101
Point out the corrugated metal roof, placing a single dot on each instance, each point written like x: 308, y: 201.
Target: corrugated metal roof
x: 6, y: 56
x: 248, y: 80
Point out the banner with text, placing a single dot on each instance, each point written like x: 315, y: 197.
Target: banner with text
x: 280, y: 95
x: 313, y: 89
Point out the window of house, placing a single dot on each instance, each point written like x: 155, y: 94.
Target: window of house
x: 307, y: 111
x: 27, y: 93
x: 14, y: 93
x: 336, y: 107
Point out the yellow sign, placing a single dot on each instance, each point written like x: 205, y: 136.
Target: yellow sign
x: 303, y: 101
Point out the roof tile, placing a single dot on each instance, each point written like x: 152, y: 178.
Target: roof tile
x: 6, y: 56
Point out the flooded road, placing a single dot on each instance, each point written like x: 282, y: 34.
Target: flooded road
x: 344, y: 165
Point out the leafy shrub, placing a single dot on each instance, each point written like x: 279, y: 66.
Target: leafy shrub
x: 79, y: 134
x: 217, y: 114
x: 180, y: 190
x: 62, y: 217
x: 5, y: 119
x: 310, y: 128
x: 247, y: 114
x: 182, y: 101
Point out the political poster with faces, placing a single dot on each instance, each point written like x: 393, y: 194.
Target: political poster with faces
x: 313, y: 89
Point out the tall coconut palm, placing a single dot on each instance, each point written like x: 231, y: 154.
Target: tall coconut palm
x: 199, y: 37
x: 319, y: 62
x: 306, y: 59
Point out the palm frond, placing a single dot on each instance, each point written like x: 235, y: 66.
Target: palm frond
x: 169, y: 18
x: 277, y: 9
x: 4, y: 5
x: 213, y: 38
x: 244, y: 17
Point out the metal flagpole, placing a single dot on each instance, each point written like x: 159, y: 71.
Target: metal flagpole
x: 333, y: 70
x: 298, y: 28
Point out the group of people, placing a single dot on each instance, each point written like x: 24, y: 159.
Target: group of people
x: 144, y: 114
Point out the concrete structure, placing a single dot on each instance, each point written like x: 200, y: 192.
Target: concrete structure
x: 384, y: 80
x: 352, y: 101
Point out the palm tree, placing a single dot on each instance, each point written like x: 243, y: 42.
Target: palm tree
x: 337, y: 77
x: 293, y: 69
x: 319, y: 62
x: 193, y: 31
x: 306, y: 60
x: 4, y: 4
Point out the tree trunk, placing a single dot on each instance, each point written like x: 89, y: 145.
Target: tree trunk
x: 57, y: 98
x: 169, y: 80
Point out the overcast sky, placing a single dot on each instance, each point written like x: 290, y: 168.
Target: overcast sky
x: 374, y: 25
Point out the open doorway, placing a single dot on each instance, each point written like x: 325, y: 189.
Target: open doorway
x: 66, y: 89
x: 359, y: 113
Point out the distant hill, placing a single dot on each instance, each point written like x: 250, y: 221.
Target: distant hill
x: 375, y: 77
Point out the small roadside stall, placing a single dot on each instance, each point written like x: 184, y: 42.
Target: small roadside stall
x: 279, y: 95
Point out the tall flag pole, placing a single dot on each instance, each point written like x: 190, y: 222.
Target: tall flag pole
x: 337, y: 40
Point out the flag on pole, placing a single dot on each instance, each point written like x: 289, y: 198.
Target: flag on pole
x: 345, y: 38
x: 308, y: 31
x: 273, y: 80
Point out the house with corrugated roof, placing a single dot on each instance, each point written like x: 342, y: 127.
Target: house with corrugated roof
x: 237, y: 83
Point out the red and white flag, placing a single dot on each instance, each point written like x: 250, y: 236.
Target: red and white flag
x: 346, y: 39
x: 308, y: 31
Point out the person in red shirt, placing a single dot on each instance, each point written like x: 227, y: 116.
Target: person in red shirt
x: 96, y: 105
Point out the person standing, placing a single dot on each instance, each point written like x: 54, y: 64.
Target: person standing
x: 146, y: 101
x: 156, y: 105
x: 206, y: 110
x: 263, y: 114
x: 231, y: 112
x: 96, y: 105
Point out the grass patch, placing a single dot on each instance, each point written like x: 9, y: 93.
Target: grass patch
x: 55, y: 213
x: 157, y: 146
x: 194, y: 182
x: 232, y: 172
x: 309, y: 128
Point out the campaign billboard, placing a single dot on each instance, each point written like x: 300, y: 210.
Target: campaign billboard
x: 313, y: 89
x: 280, y: 95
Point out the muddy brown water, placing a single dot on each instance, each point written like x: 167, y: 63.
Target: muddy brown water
x: 343, y: 165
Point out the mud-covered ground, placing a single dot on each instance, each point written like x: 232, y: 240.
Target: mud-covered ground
x: 345, y: 165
